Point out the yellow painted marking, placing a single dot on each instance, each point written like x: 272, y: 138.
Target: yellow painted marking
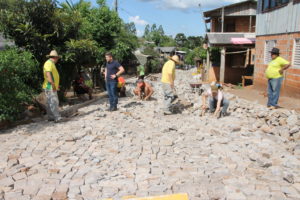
x: 167, y: 197
x: 128, y: 197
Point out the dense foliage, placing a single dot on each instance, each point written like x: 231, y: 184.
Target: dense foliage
x: 81, y: 33
x: 16, y: 78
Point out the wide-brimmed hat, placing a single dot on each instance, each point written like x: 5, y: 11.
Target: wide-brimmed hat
x: 176, y: 59
x: 53, y: 54
x: 275, y: 51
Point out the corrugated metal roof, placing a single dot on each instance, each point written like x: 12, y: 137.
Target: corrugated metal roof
x: 225, y: 38
x: 243, y: 8
x: 166, y: 49
x: 285, y: 19
x: 142, y: 58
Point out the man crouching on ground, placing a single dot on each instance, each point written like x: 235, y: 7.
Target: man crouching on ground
x: 143, y: 90
x: 216, y: 101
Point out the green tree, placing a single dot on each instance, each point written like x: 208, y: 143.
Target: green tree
x: 130, y: 28
x: 180, y: 40
x: 194, y: 42
x: 161, y: 30
x: 147, y: 31
x: 197, y: 53
x: 17, y: 70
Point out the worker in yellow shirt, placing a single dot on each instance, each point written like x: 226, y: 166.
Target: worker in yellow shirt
x: 274, y: 74
x: 51, y: 86
x: 168, y: 78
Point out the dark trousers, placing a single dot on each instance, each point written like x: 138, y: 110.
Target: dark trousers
x: 213, y: 105
x: 112, y: 90
x: 274, y: 86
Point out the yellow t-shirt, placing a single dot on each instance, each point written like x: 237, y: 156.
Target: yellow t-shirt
x: 49, y: 66
x: 275, y: 66
x: 168, y: 68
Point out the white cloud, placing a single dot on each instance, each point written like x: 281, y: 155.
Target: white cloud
x: 138, y: 21
x: 190, y: 4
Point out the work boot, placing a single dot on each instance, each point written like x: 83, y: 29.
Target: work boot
x: 167, y: 112
x: 114, y: 109
x: 60, y: 120
x: 174, y: 99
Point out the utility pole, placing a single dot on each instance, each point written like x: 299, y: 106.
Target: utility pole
x: 116, y: 5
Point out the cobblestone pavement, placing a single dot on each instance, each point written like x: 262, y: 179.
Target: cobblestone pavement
x: 251, y: 154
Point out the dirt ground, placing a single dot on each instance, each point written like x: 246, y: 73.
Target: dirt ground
x: 259, y: 95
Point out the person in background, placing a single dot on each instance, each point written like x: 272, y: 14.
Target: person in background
x: 80, y: 87
x: 113, y: 70
x: 141, y: 72
x: 102, y: 75
x: 274, y: 74
x: 217, y: 103
x: 143, y: 90
x: 121, y: 87
x: 51, y: 86
x: 168, y: 79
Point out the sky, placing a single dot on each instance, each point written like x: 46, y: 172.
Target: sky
x: 176, y: 16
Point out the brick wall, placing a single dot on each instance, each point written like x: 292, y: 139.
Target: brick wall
x: 242, y: 24
x: 285, y: 42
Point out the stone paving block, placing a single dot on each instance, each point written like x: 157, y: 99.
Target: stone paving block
x: 8, y: 181
x: 20, y: 184
x: 59, y: 196
x: 46, y: 191
x: 31, y: 189
x: 13, y: 195
x: 19, y: 176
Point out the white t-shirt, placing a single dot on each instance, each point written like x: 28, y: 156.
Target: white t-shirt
x: 208, y: 92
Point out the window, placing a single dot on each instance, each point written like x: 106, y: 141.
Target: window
x: 296, y: 53
x: 268, y: 47
x: 270, y: 4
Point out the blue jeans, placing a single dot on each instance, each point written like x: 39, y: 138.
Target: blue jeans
x: 213, y: 105
x: 111, y: 87
x: 274, y: 86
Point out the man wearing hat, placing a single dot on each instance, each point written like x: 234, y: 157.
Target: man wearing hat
x: 274, y: 74
x: 168, y: 78
x: 51, y: 85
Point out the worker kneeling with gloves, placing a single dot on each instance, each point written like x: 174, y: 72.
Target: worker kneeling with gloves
x: 217, y: 103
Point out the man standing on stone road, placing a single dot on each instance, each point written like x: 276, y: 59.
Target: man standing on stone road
x: 141, y: 71
x: 274, y: 74
x: 168, y: 78
x: 113, y: 70
x: 51, y: 86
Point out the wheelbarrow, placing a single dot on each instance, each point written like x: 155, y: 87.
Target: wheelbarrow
x: 196, y: 87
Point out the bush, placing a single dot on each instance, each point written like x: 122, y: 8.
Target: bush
x: 154, y: 66
x: 18, y: 75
